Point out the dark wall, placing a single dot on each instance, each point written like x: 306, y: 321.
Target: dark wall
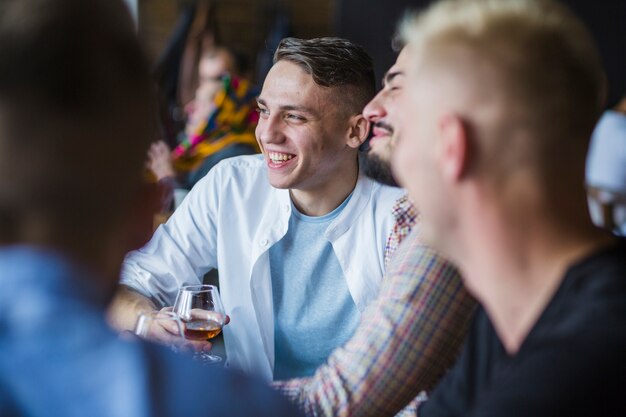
x: 372, y: 23
x: 242, y: 23
x: 607, y: 21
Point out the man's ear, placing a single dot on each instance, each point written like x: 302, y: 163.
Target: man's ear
x: 359, y: 128
x: 454, y: 147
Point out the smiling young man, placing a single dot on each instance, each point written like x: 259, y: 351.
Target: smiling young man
x: 298, y: 234
x: 411, y: 334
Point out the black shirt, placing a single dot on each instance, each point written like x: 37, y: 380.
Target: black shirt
x: 572, y: 363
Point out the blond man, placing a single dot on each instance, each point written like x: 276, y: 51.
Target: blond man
x: 502, y: 96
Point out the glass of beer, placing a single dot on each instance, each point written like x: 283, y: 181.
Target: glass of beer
x: 202, y: 313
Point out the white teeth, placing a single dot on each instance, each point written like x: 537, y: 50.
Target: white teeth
x: 279, y: 157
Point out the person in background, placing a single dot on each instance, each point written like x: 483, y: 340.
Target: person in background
x: 414, y: 328
x: 606, y: 171
x: 67, y: 219
x: 501, y: 99
x: 220, y: 124
x: 298, y: 234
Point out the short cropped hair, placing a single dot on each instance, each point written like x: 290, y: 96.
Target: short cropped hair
x: 334, y: 63
x: 545, y: 55
x: 76, y: 115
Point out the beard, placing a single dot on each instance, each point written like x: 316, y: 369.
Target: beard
x: 376, y: 168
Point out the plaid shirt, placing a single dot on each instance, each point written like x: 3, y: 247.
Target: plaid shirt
x: 406, y: 216
x: 408, y: 337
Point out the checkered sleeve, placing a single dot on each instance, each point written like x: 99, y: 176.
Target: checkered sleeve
x: 408, y: 337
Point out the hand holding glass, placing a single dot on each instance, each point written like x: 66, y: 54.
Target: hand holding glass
x: 161, y: 326
x: 201, y: 311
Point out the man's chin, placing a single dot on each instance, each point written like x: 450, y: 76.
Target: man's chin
x: 379, y: 146
x: 278, y: 181
x: 377, y: 168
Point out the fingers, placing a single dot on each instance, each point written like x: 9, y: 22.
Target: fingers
x: 160, y: 326
x: 160, y: 160
x: 207, y: 315
x: 159, y: 151
x: 168, y: 330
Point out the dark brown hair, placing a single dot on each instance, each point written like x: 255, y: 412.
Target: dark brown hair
x: 75, y: 112
x: 333, y: 63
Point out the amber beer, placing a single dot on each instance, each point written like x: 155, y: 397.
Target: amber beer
x: 202, y: 329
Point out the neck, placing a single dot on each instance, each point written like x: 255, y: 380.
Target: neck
x: 516, y: 257
x: 322, y: 199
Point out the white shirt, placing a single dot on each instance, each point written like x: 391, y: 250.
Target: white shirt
x: 229, y: 221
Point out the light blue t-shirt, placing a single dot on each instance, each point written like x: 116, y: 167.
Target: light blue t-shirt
x: 313, y: 310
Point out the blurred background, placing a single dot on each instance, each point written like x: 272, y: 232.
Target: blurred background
x: 247, y: 25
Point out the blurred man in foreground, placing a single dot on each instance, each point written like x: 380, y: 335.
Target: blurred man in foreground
x: 502, y: 96
x: 70, y: 188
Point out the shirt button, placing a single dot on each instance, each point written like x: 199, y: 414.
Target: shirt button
x: 264, y: 242
x: 286, y: 207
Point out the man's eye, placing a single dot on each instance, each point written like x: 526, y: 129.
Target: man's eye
x: 294, y: 117
x: 263, y: 112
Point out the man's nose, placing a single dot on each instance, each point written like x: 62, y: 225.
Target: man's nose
x: 269, y: 130
x: 375, y: 110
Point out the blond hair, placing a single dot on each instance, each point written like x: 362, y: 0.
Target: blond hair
x: 544, y: 54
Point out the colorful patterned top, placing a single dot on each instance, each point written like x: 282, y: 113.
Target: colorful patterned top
x: 232, y: 120
x: 408, y: 337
